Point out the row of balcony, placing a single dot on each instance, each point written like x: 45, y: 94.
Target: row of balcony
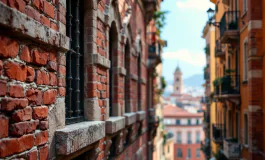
x: 231, y: 147
x: 227, y: 85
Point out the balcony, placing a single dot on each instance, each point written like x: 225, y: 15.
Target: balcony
x: 229, y: 30
x: 231, y: 149
x: 219, y: 50
x: 218, y: 133
x: 227, y: 87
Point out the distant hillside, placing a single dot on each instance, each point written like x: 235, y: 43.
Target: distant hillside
x: 194, y: 81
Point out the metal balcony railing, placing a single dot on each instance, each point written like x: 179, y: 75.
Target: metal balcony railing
x: 227, y: 85
x: 229, y: 22
x: 218, y: 132
x: 219, y: 49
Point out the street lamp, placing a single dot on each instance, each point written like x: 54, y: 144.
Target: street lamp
x: 211, y: 21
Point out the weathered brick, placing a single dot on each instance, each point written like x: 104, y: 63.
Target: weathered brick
x: 54, y: 26
x: 61, y: 17
x: 30, y: 74
x: 62, y: 60
x: 61, y: 91
x: 40, y: 112
x: 22, y: 115
x: 16, y: 91
x: 33, y: 13
x: 32, y: 155
x: 42, y: 77
x: 40, y: 58
x: 3, y: 87
x: 15, y: 71
x: 8, y: 47
x: 16, y: 145
x: 49, y: 96
x: 41, y: 138
x: 44, y: 125
x: 52, y: 66
x: 1, y: 66
x: 43, y: 152
x: 61, y: 82
x: 9, y: 104
x: 4, y: 1
x: 4, y: 126
x: 62, y: 70
x: 34, y: 96
x: 48, y: 9
x: 21, y: 128
x: 38, y: 4
x: 45, y: 21
x: 18, y: 4
x: 53, y: 56
x: 53, y: 79
x: 25, y: 55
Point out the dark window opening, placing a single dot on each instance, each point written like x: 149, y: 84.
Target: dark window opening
x: 112, y: 46
x: 139, y: 82
x: 75, y: 62
x: 127, y: 78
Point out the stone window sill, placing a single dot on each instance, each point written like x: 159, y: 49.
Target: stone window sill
x: 140, y: 115
x: 77, y: 136
x: 114, y: 124
x: 130, y: 118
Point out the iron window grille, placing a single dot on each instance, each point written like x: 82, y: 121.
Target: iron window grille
x: 74, y: 61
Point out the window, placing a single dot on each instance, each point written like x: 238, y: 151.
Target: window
x: 245, y: 67
x: 177, y: 122
x: 179, y: 137
x: 189, y: 153
x: 197, y: 121
x: 179, y: 152
x: 75, y: 62
x: 168, y: 149
x: 245, y: 5
x: 198, y: 153
x: 112, y: 47
x: 189, y: 138
x: 139, y: 81
x: 189, y: 121
x: 127, y: 78
x: 246, y: 129
x: 177, y: 79
x: 198, y: 137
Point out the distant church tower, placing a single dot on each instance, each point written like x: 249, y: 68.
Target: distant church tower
x: 178, y: 83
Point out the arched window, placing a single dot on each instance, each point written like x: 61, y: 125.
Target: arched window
x: 127, y: 78
x: 139, y: 77
x: 74, y: 61
x: 113, y: 45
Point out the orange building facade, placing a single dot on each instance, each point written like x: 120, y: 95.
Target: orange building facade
x: 239, y: 85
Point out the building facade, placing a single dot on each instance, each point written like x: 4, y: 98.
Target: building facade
x: 76, y: 79
x: 239, y: 85
x: 209, y: 76
x: 187, y: 130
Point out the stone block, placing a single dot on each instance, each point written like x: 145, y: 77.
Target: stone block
x: 114, y: 124
x: 92, y: 109
x: 130, y: 118
x: 77, y: 136
x: 140, y: 115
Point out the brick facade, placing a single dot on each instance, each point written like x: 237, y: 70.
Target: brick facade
x: 34, y: 72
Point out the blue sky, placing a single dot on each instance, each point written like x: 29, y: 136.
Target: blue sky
x: 183, y: 31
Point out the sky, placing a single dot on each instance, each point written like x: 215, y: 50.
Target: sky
x: 183, y: 31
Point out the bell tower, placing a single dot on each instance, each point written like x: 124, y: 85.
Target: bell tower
x: 178, y: 83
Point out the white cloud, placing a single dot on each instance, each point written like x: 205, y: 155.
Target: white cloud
x: 200, y: 5
x: 184, y: 55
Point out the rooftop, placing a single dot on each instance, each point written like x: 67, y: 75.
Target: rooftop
x: 174, y: 111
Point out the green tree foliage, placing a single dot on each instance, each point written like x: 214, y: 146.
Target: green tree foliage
x: 160, y: 17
